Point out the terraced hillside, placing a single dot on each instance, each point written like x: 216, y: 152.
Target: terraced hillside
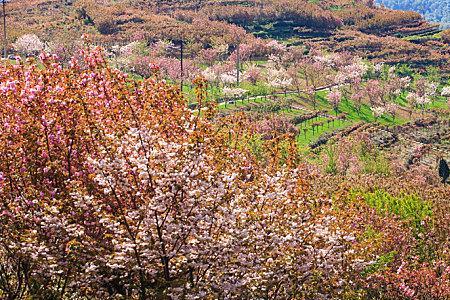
x: 357, y: 26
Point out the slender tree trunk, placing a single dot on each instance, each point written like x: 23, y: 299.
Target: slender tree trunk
x: 238, y: 64
x: 166, y: 268
x: 181, y: 65
x: 5, y: 42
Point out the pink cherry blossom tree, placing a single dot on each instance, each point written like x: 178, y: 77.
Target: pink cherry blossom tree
x: 335, y: 97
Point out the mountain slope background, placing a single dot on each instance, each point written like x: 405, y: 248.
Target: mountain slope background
x: 433, y: 10
x: 356, y: 26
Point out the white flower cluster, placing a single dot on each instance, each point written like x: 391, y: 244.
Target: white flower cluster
x: 415, y: 99
x: 130, y: 49
x: 431, y: 89
x: 351, y: 73
x: 228, y: 78
x: 209, y: 75
x: 29, y: 44
x: 405, y: 81
x: 278, y: 78
x: 445, y: 91
x: 378, y: 67
x: 378, y: 111
x: 233, y: 92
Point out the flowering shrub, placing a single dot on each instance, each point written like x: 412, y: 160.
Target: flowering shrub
x: 334, y: 97
x: 133, y: 48
x: 210, y: 75
x: 231, y: 93
x: 279, y: 79
x: 229, y: 78
x: 209, y: 56
x: 28, y: 44
x: 161, y: 47
x: 276, y: 47
x: 425, y: 90
x: 252, y: 74
x: 378, y: 111
x: 446, y: 92
x: 273, y: 126
x: 415, y: 100
x: 391, y: 108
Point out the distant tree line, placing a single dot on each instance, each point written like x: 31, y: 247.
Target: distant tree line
x: 433, y: 10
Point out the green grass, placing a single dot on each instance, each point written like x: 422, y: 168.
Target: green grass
x: 336, y: 7
x: 373, y: 160
x: 440, y: 103
x: 419, y: 37
x: 258, y: 100
x: 310, y: 137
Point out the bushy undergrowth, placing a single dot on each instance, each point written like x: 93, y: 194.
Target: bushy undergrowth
x: 408, y: 207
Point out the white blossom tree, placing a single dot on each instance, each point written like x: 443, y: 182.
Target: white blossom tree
x: 28, y: 44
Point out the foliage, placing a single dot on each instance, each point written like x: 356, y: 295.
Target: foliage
x: 331, y: 166
x: 373, y: 159
x: 409, y: 207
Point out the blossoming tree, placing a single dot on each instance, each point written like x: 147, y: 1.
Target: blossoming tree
x: 113, y: 188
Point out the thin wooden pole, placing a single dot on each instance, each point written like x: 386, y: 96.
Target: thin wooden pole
x: 238, y: 64
x: 181, y: 66
x: 5, y: 42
